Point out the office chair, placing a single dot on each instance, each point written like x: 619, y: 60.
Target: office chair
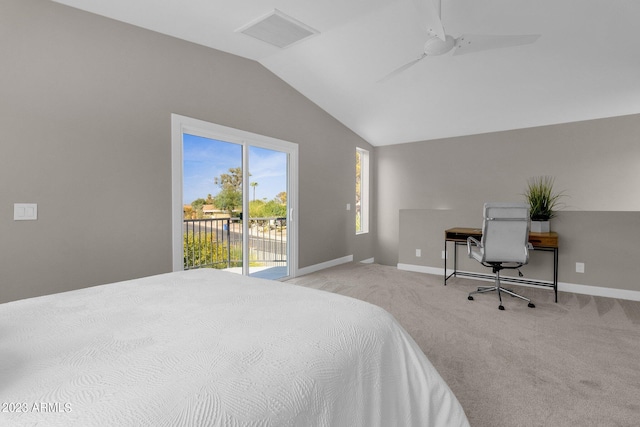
x: 504, y: 244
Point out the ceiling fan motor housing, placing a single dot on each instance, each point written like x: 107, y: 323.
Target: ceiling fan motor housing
x: 435, y: 46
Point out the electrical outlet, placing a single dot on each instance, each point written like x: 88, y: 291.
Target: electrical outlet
x: 579, y: 267
x: 418, y: 253
x: 444, y: 255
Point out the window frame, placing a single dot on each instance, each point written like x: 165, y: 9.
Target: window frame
x: 364, y: 207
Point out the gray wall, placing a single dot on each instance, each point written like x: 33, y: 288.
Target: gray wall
x: 85, y: 113
x: 595, y: 162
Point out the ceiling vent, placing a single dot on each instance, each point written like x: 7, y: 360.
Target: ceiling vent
x: 278, y: 29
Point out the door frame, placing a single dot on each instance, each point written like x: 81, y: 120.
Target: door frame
x: 181, y: 125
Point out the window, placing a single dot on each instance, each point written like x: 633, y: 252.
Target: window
x: 362, y: 191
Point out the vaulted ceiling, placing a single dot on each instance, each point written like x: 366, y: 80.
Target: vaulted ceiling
x: 585, y: 65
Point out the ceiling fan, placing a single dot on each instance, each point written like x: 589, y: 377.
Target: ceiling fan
x: 439, y: 43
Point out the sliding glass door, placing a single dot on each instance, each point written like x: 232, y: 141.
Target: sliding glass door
x: 234, y: 196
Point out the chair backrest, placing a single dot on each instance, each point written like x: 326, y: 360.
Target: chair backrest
x: 505, y: 232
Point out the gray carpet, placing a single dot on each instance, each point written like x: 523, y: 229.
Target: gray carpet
x: 574, y: 363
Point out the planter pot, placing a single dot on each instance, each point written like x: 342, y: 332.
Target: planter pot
x: 540, y: 226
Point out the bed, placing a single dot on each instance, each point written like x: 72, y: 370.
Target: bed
x: 213, y: 348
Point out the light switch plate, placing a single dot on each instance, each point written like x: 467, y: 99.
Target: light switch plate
x: 25, y: 211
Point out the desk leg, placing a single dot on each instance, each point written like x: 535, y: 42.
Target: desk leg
x: 445, y: 262
x: 555, y: 272
x: 454, y: 273
x: 455, y: 259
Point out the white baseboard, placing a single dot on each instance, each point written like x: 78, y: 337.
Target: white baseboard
x: 562, y: 287
x: 599, y: 291
x: 368, y: 261
x: 422, y: 269
x: 328, y: 264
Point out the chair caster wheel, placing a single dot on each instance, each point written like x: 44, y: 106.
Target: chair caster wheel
x: 470, y: 298
x: 500, y: 307
x: 532, y: 305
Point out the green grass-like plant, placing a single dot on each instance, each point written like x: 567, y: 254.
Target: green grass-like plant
x: 543, y: 201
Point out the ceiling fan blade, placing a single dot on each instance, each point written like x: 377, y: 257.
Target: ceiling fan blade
x: 470, y: 43
x: 430, y: 14
x: 403, y: 68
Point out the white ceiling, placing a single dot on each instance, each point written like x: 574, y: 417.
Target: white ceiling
x: 585, y: 65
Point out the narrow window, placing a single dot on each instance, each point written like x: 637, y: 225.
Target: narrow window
x: 362, y: 191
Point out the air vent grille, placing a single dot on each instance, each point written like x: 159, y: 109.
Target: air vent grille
x: 278, y: 29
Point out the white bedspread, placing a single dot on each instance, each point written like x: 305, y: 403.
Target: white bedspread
x: 208, y: 347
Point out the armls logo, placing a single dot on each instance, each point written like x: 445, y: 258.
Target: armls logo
x: 47, y: 407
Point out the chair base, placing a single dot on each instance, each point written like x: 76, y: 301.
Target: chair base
x: 499, y: 290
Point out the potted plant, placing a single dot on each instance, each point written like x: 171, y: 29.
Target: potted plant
x: 543, y: 202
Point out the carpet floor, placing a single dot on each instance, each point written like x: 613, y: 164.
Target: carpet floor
x: 571, y: 363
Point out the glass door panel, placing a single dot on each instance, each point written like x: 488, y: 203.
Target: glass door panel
x: 268, y: 213
x: 212, y: 203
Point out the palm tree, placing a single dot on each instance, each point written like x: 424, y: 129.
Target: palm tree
x: 254, y: 185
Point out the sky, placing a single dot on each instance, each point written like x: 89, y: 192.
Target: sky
x: 204, y: 159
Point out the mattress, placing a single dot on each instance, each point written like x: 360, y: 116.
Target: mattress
x: 213, y: 348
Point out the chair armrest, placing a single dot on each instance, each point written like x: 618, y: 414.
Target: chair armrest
x: 471, y: 242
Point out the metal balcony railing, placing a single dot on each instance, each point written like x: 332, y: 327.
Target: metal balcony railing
x: 217, y: 242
